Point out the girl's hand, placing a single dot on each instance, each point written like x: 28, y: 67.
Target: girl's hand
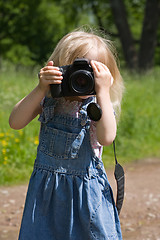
x: 106, y: 126
x: 49, y: 75
x: 103, y: 77
x: 29, y: 107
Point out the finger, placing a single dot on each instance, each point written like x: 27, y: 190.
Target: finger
x: 97, y: 66
x: 104, y: 66
x: 50, y: 63
x: 93, y: 64
x: 54, y: 81
x: 109, y: 73
x: 48, y: 68
x: 112, y: 80
x: 50, y: 71
x: 48, y: 77
x: 101, y: 66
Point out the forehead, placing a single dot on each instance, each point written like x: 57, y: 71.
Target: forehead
x: 98, y: 54
x: 94, y: 49
x: 92, y: 54
x: 89, y: 47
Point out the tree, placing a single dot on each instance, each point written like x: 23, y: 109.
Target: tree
x: 127, y: 41
x: 123, y: 20
x: 144, y: 59
x: 28, y: 30
x: 33, y: 28
x: 148, y: 40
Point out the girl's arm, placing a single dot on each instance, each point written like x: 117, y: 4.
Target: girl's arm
x: 26, y: 109
x: 29, y: 107
x: 106, y: 127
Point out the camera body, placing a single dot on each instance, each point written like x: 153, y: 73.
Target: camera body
x: 78, y: 80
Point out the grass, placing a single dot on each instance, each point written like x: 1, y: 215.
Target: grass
x: 138, y: 132
x: 17, y: 148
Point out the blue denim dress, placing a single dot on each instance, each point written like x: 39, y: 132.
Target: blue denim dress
x: 69, y: 196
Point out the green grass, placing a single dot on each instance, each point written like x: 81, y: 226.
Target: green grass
x: 17, y: 148
x: 138, y: 132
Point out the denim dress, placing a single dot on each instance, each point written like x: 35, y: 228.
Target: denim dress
x: 69, y: 196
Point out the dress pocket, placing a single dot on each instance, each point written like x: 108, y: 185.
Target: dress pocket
x: 103, y: 220
x: 57, y: 143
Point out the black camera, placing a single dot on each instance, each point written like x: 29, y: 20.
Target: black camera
x: 78, y: 80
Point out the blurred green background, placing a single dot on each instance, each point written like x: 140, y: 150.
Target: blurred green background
x: 29, y: 32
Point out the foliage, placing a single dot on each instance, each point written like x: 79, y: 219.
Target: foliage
x: 137, y: 136
x: 124, y: 22
x: 34, y: 27
x: 135, y: 15
x: 31, y: 30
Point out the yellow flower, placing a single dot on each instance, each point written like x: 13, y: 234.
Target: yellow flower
x: 4, y: 151
x: 17, y: 140
x: 20, y: 132
x: 5, y: 160
x: 4, y: 143
x: 1, y: 135
x: 10, y: 134
x: 36, y: 140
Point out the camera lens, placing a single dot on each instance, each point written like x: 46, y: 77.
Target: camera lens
x: 82, y: 82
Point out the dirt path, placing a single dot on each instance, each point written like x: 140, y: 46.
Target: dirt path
x: 140, y: 216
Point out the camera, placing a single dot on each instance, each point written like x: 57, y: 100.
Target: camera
x: 78, y: 80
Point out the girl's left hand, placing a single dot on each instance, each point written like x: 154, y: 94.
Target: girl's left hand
x: 102, y: 75
x: 106, y: 126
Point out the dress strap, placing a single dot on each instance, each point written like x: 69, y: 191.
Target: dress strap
x: 85, y: 123
x: 48, y: 109
x: 87, y: 101
x: 85, y: 120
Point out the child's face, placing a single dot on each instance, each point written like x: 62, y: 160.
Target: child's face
x: 92, y: 54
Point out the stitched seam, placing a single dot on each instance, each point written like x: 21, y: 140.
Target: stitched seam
x: 61, y: 171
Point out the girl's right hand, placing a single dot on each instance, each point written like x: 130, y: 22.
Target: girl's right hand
x: 29, y: 107
x: 49, y: 75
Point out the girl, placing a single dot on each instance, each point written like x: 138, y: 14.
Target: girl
x: 69, y: 197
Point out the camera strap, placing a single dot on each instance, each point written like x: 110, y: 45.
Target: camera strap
x: 120, y: 180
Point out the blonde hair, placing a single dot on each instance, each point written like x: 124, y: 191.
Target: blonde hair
x: 77, y: 44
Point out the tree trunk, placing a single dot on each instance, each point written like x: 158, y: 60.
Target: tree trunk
x: 119, y: 14
x: 149, y: 34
